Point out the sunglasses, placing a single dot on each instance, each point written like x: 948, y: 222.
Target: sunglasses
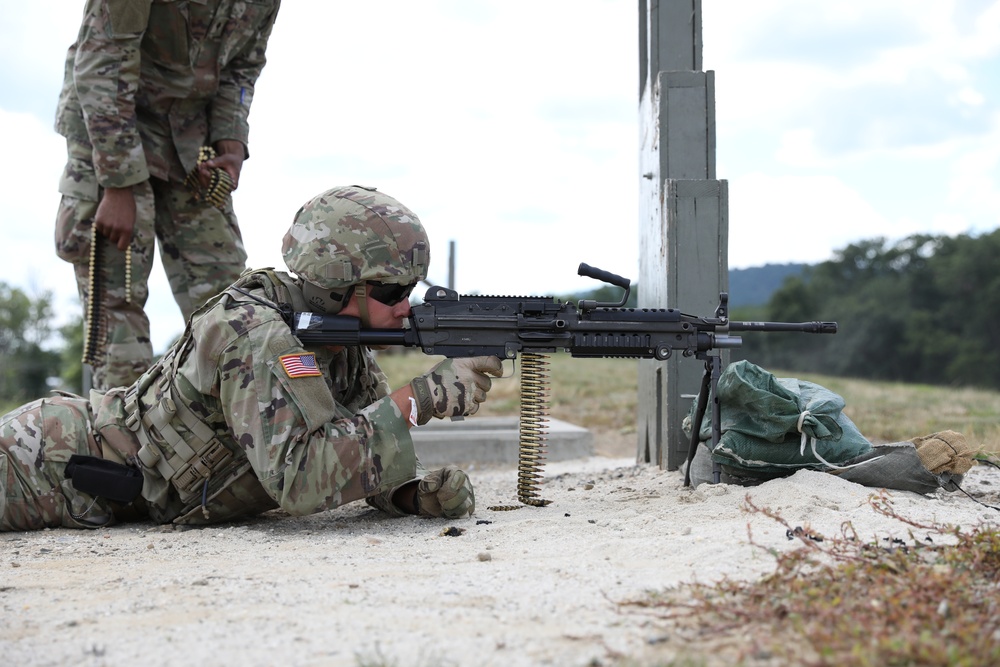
x: 390, y: 293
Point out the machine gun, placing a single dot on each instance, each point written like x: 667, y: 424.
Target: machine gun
x: 454, y: 325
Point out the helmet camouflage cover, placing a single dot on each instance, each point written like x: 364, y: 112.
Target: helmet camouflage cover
x: 353, y: 234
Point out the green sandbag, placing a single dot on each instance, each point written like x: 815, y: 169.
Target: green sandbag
x: 763, y: 420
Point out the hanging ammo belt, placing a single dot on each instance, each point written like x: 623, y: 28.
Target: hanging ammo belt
x: 94, y: 328
x: 196, y: 457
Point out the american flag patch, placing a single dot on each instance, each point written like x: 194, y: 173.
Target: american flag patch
x: 300, y: 365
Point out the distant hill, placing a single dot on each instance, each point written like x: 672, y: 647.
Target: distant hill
x: 754, y: 286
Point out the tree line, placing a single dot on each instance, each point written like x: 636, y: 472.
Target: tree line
x: 27, y: 365
x: 925, y: 309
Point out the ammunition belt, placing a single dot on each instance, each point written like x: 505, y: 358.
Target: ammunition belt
x: 220, y: 184
x: 95, y: 324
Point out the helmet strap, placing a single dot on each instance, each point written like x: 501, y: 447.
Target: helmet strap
x: 361, y: 294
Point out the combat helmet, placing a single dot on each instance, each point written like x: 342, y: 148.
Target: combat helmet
x: 349, y: 236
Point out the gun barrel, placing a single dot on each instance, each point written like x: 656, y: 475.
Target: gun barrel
x: 723, y: 341
x: 803, y: 327
x: 500, y: 331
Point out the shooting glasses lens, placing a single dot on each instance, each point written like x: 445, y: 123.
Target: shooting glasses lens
x: 389, y: 293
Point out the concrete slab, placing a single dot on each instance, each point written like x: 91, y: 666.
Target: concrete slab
x: 494, y: 440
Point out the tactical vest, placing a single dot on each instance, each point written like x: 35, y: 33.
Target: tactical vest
x: 194, y: 471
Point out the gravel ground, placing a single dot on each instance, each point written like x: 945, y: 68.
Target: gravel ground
x: 536, y: 586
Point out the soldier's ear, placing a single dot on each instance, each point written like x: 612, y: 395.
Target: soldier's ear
x: 350, y: 305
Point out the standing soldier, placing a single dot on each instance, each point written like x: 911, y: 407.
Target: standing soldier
x: 155, y: 93
x: 238, y: 417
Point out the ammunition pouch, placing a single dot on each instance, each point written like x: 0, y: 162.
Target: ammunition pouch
x: 102, y: 478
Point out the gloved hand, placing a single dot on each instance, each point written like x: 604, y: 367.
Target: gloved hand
x: 446, y: 492
x: 454, y: 387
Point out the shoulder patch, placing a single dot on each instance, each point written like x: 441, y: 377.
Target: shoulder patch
x: 300, y: 365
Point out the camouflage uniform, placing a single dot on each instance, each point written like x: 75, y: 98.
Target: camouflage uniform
x: 272, y: 424
x: 147, y: 83
x: 36, y: 442
x: 238, y: 417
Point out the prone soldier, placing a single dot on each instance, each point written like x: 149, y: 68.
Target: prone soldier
x: 238, y: 417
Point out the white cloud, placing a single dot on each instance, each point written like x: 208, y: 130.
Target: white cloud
x: 974, y: 182
x: 30, y: 171
x: 984, y: 39
x: 796, y: 219
x: 497, y: 135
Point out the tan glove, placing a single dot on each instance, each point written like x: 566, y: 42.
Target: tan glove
x: 455, y: 387
x: 447, y: 493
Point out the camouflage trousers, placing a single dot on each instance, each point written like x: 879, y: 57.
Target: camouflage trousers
x: 201, y: 250
x: 36, y: 441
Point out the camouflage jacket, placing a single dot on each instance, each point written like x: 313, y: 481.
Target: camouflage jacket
x: 301, y: 429
x: 148, y: 82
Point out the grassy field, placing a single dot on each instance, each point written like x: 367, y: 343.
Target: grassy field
x: 601, y: 395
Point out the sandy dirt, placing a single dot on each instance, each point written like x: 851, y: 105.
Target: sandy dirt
x: 536, y: 586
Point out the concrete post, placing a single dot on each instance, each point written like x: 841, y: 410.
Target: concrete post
x: 683, y: 225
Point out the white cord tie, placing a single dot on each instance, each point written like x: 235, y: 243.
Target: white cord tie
x: 812, y: 444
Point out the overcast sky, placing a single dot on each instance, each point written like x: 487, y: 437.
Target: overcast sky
x: 510, y: 127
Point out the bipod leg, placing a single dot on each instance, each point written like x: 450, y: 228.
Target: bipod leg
x: 709, y: 390
x: 699, y: 416
x: 716, y: 370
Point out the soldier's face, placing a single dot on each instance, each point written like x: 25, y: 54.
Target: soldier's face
x: 388, y: 317
x: 381, y: 315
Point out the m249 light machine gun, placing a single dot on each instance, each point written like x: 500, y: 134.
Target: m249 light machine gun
x: 454, y: 325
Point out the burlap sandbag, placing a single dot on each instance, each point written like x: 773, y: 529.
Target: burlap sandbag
x: 946, y: 451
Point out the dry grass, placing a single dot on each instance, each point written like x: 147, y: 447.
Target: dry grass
x: 601, y: 395
x: 892, y: 411
x: 839, y: 601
